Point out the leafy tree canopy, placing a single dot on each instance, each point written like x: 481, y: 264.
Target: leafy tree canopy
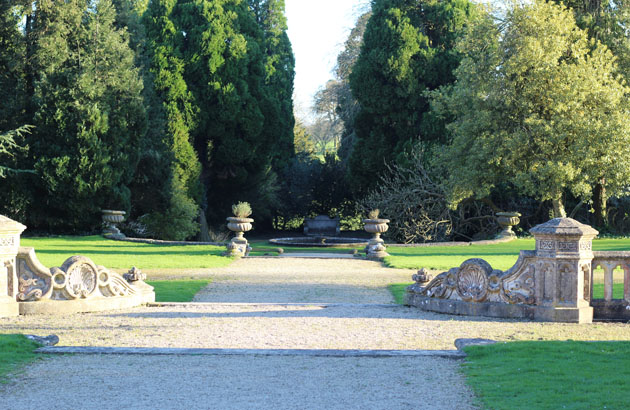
x: 537, y: 105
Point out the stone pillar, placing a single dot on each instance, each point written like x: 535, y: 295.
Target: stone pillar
x: 10, y: 232
x: 564, y: 253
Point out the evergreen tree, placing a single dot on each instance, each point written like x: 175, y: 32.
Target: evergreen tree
x: 279, y: 74
x: 89, y: 118
x: 408, y: 48
x: 221, y: 44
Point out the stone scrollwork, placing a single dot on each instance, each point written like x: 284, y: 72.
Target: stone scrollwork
x: 77, y: 278
x: 476, y: 281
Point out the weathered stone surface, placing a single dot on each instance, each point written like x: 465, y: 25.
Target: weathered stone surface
x: 552, y: 283
x: 10, y: 232
x: 321, y: 225
x: 460, y: 344
x: 50, y: 340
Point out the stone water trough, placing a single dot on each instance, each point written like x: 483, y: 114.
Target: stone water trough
x: 28, y: 287
x: 553, y: 283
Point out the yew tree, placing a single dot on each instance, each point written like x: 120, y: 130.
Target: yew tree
x: 538, y: 105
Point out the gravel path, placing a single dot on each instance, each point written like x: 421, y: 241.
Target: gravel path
x: 255, y: 382
x: 280, y: 280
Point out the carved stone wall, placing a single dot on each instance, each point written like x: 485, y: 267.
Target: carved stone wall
x: 551, y: 283
x: 27, y: 286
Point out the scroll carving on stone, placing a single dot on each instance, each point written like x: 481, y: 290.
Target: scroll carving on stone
x: 77, y: 278
x: 476, y: 281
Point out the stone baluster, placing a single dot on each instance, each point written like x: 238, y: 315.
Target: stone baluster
x: 10, y: 232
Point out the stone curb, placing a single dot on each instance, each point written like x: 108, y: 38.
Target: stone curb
x: 149, y: 351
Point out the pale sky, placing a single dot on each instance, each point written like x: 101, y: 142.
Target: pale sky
x: 317, y: 30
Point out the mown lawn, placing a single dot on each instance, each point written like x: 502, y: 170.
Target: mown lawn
x: 550, y: 375
x: 177, y: 290
x: 15, y: 350
x: 501, y: 256
x: 54, y: 251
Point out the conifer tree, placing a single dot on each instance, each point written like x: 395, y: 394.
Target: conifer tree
x: 89, y: 117
x: 408, y: 48
x: 175, y: 118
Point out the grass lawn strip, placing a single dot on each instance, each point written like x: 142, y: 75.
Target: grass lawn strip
x: 501, y: 256
x: 54, y: 251
x: 550, y: 375
x: 177, y: 290
x: 15, y: 350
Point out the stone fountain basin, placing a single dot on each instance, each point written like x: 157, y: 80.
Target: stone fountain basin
x: 320, y: 242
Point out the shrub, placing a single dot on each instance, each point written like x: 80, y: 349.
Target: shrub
x: 242, y: 210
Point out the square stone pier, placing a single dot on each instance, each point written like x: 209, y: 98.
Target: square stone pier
x: 10, y: 232
x: 564, y: 253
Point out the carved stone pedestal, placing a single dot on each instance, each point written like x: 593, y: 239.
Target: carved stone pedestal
x: 10, y: 232
x: 564, y: 253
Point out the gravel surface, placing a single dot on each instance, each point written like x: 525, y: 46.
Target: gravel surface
x: 303, y: 280
x: 255, y: 382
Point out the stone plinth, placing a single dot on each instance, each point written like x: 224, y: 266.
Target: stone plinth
x: 10, y: 232
x: 564, y: 252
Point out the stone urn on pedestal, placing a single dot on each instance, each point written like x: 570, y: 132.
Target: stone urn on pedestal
x: 110, y: 219
x: 376, y: 226
x: 507, y: 220
x: 239, y: 224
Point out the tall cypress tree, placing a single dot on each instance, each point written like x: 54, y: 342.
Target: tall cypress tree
x: 221, y: 44
x: 408, y: 48
x: 89, y: 117
x: 279, y: 75
x: 177, y: 115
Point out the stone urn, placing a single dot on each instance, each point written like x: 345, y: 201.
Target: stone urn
x: 238, y: 246
x: 507, y: 220
x: 376, y: 247
x: 110, y: 219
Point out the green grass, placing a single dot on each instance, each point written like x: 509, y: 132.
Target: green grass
x: 398, y: 291
x: 177, y: 290
x: 123, y: 255
x: 501, y: 256
x: 15, y: 350
x: 550, y: 375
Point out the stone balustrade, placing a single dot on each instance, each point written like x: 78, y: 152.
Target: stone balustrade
x: 553, y: 283
x: 608, y: 307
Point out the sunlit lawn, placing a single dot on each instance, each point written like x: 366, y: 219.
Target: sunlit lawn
x: 54, y: 251
x: 501, y: 256
x: 550, y: 375
x: 177, y: 290
x: 15, y: 350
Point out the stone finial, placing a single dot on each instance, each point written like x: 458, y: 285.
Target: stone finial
x: 423, y: 276
x: 134, y: 275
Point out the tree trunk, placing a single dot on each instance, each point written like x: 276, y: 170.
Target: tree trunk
x: 558, y: 208
x: 599, y: 205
